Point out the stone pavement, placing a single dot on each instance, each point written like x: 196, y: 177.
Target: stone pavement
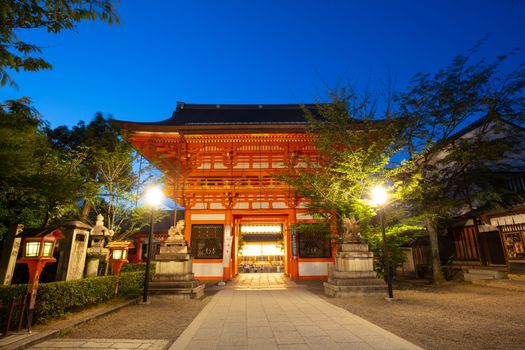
x: 261, y: 281
x: 260, y: 311
x: 89, y: 344
x: 289, y: 318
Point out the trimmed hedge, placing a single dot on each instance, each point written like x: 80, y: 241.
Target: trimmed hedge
x: 131, y: 284
x: 55, y: 299
x: 137, y: 267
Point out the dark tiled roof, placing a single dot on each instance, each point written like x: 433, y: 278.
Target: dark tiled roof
x: 195, y: 114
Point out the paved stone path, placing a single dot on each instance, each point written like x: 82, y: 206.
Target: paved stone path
x: 260, y: 311
x: 281, y: 319
x: 98, y: 344
x: 261, y: 281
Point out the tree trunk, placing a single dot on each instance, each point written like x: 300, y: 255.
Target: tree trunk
x: 437, y: 275
x: 84, y: 213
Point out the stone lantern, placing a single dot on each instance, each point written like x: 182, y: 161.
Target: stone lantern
x: 97, y: 252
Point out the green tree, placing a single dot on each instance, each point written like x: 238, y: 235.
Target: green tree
x: 39, y: 184
x: 353, y: 149
x: 110, y: 178
x: 16, y: 16
x: 447, y: 175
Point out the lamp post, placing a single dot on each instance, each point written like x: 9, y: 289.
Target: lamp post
x: 37, y: 252
x: 154, y: 197
x: 379, y: 198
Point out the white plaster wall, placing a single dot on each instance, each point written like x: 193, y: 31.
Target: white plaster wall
x: 313, y: 268
x: 208, y: 269
x: 219, y: 165
x: 300, y: 216
x: 279, y: 205
x: 241, y: 205
x: 260, y: 205
x: 205, y: 166
x: 241, y: 166
x: 508, y: 220
x: 205, y: 217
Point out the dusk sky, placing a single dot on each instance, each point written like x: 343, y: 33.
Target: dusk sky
x: 285, y: 51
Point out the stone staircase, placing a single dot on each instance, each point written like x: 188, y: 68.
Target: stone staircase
x: 474, y: 274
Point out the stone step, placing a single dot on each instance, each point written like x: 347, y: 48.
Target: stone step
x: 347, y: 291
x: 481, y: 274
x: 356, y: 281
x: 352, y: 274
x: 166, y: 277
x: 175, y: 284
x: 184, y: 293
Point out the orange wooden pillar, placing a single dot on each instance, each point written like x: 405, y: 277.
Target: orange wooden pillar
x: 187, y: 227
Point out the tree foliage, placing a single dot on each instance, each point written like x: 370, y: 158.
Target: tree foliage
x: 17, y: 16
x: 446, y: 170
x: 52, y: 175
x: 450, y: 170
x: 38, y: 183
x: 353, y: 150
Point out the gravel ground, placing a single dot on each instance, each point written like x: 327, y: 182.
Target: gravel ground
x: 164, y: 318
x: 455, y: 315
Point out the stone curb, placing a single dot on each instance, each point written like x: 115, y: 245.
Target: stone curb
x: 39, y: 337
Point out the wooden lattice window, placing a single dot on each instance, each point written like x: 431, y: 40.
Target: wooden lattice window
x: 465, y: 243
x: 314, y: 242
x: 206, y: 241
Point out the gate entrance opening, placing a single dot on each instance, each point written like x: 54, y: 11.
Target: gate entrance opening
x: 261, y: 248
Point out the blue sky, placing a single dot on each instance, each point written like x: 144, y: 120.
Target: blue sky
x: 286, y: 51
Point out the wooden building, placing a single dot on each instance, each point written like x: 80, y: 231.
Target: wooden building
x: 222, y: 162
x: 488, y: 242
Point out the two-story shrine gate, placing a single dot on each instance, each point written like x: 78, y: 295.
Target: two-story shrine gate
x: 222, y: 162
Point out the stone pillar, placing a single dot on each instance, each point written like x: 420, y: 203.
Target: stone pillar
x: 73, y: 250
x: 9, y: 254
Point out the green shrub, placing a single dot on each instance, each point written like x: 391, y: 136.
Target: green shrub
x: 56, y: 299
x: 7, y: 293
x: 137, y: 267
x: 131, y: 284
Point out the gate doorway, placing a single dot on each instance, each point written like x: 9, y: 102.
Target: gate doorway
x: 261, y: 248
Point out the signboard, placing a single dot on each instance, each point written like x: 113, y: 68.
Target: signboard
x: 228, y: 238
x: 294, y: 241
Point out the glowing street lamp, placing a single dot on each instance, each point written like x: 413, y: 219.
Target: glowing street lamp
x: 154, y: 198
x: 379, y: 198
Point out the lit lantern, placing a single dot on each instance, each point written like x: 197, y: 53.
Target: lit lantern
x: 37, y: 250
x: 118, y: 256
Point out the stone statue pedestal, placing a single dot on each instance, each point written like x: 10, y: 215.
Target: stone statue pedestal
x: 353, y: 272
x: 173, y: 272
